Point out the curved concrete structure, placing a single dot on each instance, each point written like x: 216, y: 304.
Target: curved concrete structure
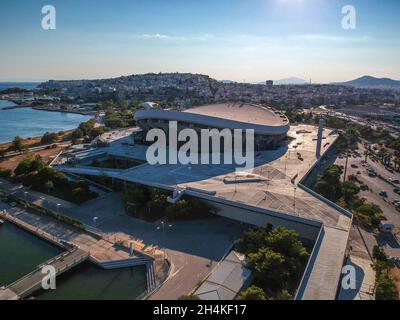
x: 270, y: 126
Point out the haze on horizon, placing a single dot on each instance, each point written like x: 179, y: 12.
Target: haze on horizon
x: 235, y: 40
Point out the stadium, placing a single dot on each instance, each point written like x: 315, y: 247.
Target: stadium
x: 270, y: 126
x: 273, y: 194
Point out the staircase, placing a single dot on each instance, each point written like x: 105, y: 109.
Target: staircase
x: 151, y: 277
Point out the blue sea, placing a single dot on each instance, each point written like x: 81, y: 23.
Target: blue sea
x: 21, y: 85
x: 29, y: 123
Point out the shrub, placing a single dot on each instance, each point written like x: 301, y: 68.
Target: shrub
x: 49, y: 138
x: 252, y: 293
x: 5, y: 173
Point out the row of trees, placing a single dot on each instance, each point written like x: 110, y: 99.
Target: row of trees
x: 19, y: 145
x: 345, y: 195
x: 151, y: 204
x: 278, y: 259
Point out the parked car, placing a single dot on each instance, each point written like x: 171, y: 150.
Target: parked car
x: 354, y: 166
x: 394, y: 180
x: 383, y: 194
x: 372, y: 174
x: 386, y: 228
x: 396, y: 190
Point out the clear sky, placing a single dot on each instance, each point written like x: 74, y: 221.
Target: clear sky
x: 241, y: 40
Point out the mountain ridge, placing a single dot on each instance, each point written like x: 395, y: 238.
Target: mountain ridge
x: 370, y: 81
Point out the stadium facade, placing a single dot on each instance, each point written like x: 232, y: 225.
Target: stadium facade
x: 270, y: 126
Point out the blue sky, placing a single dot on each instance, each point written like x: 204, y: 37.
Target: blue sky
x: 242, y: 40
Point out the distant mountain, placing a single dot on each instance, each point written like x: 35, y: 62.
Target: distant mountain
x: 292, y: 80
x: 368, y: 81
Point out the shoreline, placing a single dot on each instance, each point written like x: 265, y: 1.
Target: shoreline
x: 33, y: 140
x: 49, y: 109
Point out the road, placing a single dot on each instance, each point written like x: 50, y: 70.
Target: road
x: 38, y: 148
x: 194, y: 247
x: 376, y: 185
x: 323, y: 110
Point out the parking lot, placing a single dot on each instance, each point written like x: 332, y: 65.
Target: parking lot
x: 378, y: 190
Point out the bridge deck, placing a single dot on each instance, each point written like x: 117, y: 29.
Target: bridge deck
x: 28, y: 284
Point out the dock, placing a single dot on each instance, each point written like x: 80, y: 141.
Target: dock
x: 32, y: 282
x: 79, y: 246
x: 27, y: 285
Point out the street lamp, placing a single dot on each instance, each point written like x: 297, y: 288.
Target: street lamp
x: 235, y: 183
x: 286, y: 164
x: 294, y: 199
x: 58, y: 208
x: 26, y: 199
x: 163, y: 230
x: 95, y: 219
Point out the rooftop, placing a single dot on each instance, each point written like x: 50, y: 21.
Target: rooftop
x: 271, y: 188
x: 226, y: 280
x: 242, y: 112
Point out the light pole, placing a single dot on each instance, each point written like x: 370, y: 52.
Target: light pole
x: 95, y: 219
x: 286, y: 164
x: 163, y: 235
x: 26, y: 199
x: 235, y: 183
x: 294, y: 199
x: 58, y: 208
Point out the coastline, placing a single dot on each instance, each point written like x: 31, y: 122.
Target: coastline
x: 32, y: 141
x: 31, y: 124
x: 50, y: 109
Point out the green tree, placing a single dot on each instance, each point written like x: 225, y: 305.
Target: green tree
x: 253, y: 240
x: 2, y: 153
x: 49, y: 138
x: 329, y: 185
x: 270, y: 268
x: 349, y: 191
x: 370, y: 214
x: 386, y: 289
x: 5, y: 173
x: 24, y: 167
x: 18, y: 144
x: 379, y: 254
x: 252, y: 293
